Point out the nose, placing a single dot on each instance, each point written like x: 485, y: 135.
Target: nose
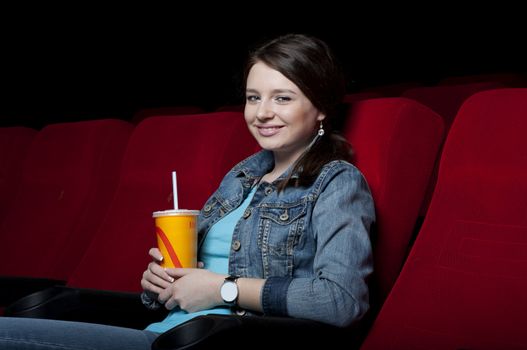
x: 264, y: 111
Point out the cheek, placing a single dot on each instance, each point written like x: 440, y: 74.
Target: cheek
x: 249, y: 113
x: 248, y: 118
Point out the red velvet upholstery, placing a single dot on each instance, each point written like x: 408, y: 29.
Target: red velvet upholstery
x: 14, y: 142
x: 201, y: 148
x: 464, y: 283
x: 395, y: 141
x: 69, y: 176
x: 165, y: 111
x: 447, y: 99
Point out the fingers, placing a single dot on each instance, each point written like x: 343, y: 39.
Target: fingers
x: 155, y: 278
x: 178, y: 272
x: 155, y: 253
x: 153, y: 283
x: 170, y: 304
x: 164, y: 296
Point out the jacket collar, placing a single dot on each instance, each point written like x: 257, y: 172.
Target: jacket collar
x: 258, y: 165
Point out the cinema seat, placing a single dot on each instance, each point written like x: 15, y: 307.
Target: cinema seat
x: 395, y: 142
x: 446, y: 99
x: 14, y: 143
x: 463, y: 284
x: 69, y: 177
x: 165, y: 112
x: 201, y: 148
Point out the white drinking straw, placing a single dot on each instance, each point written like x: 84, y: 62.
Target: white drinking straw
x: 174, y: 189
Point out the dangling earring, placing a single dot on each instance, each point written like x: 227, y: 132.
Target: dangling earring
x: 321, y: 130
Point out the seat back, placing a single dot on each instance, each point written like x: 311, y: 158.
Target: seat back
x: 463, y: 285
x: 447, y: 99
x: 165, y: 111
x: 395, y: 142
x: 69, y: 175
x: 14, y: 143
x: 201, y: 149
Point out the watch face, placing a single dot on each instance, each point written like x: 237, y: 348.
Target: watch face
x: 229, y: 291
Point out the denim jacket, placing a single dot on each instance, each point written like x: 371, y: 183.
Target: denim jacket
x: 311, y: 244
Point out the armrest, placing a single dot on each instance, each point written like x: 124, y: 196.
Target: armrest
x: 218, y: 331
x: 86, y: 305
x: 14, y: 288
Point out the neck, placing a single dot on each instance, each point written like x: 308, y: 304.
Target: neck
x: 284, y: 160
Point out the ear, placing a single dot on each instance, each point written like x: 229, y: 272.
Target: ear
x: 321, y: 116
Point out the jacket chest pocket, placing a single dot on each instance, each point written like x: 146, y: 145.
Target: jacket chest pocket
x: 214, y: 207
x: 279, y: 230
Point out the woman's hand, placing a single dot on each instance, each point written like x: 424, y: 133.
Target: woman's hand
x: 193, y: 289
x: 155, y: 278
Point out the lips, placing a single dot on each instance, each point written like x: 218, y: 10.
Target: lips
x: 268, y: 131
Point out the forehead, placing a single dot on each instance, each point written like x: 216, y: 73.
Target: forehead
x: 263, y: 77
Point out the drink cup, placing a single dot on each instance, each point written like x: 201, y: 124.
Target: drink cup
x: 177, y: 237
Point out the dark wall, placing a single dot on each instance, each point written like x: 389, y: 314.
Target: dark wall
x: 80, y: 68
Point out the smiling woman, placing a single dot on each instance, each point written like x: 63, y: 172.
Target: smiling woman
x: 287, y: 231
x: 287, y: 101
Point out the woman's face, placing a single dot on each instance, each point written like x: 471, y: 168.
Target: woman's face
x: 278, y: 114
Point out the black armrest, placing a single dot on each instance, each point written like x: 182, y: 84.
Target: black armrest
x: 219, y: 331
x: 86, y: 305
x: 14, y: 288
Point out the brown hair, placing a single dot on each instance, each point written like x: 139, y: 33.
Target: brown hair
x: 309, y: 63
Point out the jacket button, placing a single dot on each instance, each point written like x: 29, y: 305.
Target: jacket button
x: 284, y: 216
x: 246, y: 213
x: 240, y: 312
x: 268, y: 191
x: 236, y: 245
x: 207, y: 208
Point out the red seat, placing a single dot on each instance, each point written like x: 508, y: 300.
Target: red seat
x: 201, y: 148
x: 68, y: 179
x: 463, y: 285
x: 395, y: 141
x: 165, y: 111
x: 14, y: 143
x: 446, y: 101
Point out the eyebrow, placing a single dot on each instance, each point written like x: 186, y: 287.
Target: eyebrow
x: 276, y: 91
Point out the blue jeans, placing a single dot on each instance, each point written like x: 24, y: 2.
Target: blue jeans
x: 32, y: 333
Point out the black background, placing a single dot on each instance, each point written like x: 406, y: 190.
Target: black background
x: 70, y: 64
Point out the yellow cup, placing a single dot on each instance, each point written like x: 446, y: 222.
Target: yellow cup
x: 177, y: 237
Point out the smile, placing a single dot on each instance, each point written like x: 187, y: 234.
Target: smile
x: 268, y: 130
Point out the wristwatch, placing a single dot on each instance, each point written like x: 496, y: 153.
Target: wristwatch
x: 229, y: 290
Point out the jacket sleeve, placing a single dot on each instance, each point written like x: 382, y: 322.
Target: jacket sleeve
x: 337, y: 292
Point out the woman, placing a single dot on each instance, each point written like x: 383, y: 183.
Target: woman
x: 287, y: 231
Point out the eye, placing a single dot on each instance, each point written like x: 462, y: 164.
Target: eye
x: 282, y: 99
x: 252, y: 98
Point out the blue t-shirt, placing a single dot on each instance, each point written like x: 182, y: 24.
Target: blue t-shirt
x: 215, y: 256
